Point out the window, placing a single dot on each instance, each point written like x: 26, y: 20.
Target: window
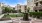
x: 40, y: 10
x: 36, y: 4
x: 41, y: 2
x: 25, y: 11
x: 25, y: 7
x: 20, y: 6
x: 36, y: 0
x: 35, y: 10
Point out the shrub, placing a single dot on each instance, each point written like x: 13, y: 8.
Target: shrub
x: 36, y: 14
x: 14, y: 15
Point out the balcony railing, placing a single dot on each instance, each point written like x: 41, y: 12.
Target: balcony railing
x: 35, y: 0
x: 40, y: 0
x: 38, y: 7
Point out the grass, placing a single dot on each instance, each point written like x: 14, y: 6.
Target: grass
x: 14, y: 15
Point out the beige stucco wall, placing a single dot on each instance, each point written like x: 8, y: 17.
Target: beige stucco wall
x: 30, y: 4
x: 22, y: 8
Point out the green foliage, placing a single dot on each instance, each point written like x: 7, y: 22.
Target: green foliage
x: 20, y: 10
x: 25, y: 17
x: 28, y: 9
x: 7, y: 9
x: 14, y: 15
x: 36, y: 14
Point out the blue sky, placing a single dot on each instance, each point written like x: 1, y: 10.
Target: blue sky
x: 13, y: 2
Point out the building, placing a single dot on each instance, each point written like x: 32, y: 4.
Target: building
x: 18, y: 7
x: 30, y: 4
x: 21, y: 7
x: 38, y: 5
x: 1, y: 4
x: 34, y: 5
x: 24, y: 8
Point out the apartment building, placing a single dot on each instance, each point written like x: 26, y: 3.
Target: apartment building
x: 21, y: 7
x: 24, y: 8
x: 38, y: 5
x: 30, y: 4
x: 34, y: 5
x: 17, y: 7
x: 1, y: 4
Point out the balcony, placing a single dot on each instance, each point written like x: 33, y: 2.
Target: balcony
x: 38, y: 7
x: 40, y: 0
x: 35, y: 1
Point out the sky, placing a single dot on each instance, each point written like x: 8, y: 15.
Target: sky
x: 14, y: 2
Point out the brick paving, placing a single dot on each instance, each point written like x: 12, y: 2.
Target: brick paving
x: 7, y: 21
x: 37, y: 21
x: 16, y: 20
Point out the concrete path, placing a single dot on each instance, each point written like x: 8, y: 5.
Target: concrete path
x: 33, y: 20
x: 8, y: 21
x: 1, y: 16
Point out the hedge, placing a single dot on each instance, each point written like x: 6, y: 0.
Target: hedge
x: 36, y: 14
x: 14, y: 15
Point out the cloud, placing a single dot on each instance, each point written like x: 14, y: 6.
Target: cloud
x: 25, y: 3
x: 13, y: 4
x: 22, y: 2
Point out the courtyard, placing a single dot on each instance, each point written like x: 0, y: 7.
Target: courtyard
x: 18, y: 19
x: 20, y: 11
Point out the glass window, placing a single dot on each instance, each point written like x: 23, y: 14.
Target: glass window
x: 20, y: 6
x: 36, y: 4
x: 35, y: 10
x: 41, y: 2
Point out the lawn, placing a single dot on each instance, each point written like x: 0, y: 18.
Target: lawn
x: 14, y: 15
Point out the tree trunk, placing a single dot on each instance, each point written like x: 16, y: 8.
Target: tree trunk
x: 25, y: 17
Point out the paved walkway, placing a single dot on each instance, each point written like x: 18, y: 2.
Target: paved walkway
x: 17, y: 20
x: 1, y: 16
x: 33, y: 20
x: 8, y: 21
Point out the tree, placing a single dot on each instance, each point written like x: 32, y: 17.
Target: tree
x: 26, y: 16
x: 28, y: 9
x: 7, y: 9
x: 13, y: 10
x: 3, y: 9
x: 20, y: 10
